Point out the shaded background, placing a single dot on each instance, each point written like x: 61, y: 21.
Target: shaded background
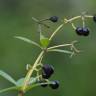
x: 77, y: 76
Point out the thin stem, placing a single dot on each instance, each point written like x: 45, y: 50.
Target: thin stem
x: 28, y: 66
x: 88, y: 16
x: 70, y: 20
x: 38, y: 84
x: 54, y: 33
x: 39, y: 28
x: 74, y: 27
x: 27, y: 78
x: 60, y: 51
x: 44, y: 19
x: 62, y: 45
x: 76, y: 17
x: 36, y: 20
x: 39, y: 22
x: 83, y: 20
x: 44, y: 24
x: 73, y: 47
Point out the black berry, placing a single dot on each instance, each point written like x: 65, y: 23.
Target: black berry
x: 85, y: 31
x: 79, y: 30
x: 45, y: 76
x: 53, y: 18
x: 94, y: 18
x: 54, y: 85
x: 47, y: 71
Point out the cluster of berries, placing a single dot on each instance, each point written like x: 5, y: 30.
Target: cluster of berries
x: 47, y: 71
x: 81, y: 31
x: 84, y: 31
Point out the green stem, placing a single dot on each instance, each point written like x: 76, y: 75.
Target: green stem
x: 76, y: 17
x: 83, y: 20
x: 62, y: 45
x: 70, y: 20
x: 27, y: 78
x: 54, y: 33
x: 74, y: 27
x: 88, y: 16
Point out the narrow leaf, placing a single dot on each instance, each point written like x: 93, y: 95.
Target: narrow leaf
x: 7, y: 77
x: 61, y: 51
x: 9, y: 89
x: 28, y: 41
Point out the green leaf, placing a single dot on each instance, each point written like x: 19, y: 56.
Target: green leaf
x: 9, y: 89
x: 28, y: 41
x: 61, y: 51
x: 44, y: 41
x: 7, y: 77
x: 20, y: 82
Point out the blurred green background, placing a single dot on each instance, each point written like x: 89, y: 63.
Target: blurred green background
x: 77, y: 76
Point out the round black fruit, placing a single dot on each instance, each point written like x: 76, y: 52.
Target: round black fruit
x: 53, y: 18
x: 45, y: 76
x: 79, y: 30
x: 48, y: 69
x: 85, y: 31
x: 54, y: 85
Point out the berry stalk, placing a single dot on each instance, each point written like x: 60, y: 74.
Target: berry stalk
x: 54, y: 33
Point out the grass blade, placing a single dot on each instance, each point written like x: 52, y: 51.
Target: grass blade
x: 9, y: 89
x: 7, y: 77
x: 28, y: 41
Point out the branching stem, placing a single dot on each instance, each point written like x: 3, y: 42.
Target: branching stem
x: 54, y: 33
x: 62, y: 45
x: 40, y: 57
x: 77, y: 17
x: 27, y: 78
x: 70, y: 20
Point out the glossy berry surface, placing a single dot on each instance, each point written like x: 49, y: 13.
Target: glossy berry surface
x: 45, y: 76
x: 48, y: 70
x: 94, y: 18
x: 79, y: 30
x: 53, y: 18
x: 82, y: 31
x: 54, y: 85
x: 85, y: 31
